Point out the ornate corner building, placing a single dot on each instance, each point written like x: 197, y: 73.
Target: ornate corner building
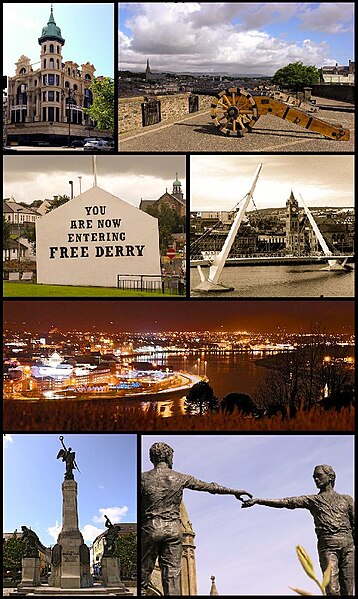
x: 46, y: 104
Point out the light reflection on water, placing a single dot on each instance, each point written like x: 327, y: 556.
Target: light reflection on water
x: 227, y: 373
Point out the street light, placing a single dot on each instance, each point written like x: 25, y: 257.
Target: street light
x: 79, y: 179
x: 71, y: 184
x: 18, y: 237
x: 70, y: 101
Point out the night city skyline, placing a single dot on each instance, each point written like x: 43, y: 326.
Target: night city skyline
x: 153, y: 316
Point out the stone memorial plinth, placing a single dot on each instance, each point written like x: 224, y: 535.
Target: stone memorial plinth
x: 30, y: 572
x: 111, y: 572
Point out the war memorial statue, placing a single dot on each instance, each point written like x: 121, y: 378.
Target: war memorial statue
x: 31, y: 542
x: 69, y: 457
x: 110, y: 538
x: 162, y: 493
x: 333, y: 516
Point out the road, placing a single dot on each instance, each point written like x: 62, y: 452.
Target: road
x: 196, y: 133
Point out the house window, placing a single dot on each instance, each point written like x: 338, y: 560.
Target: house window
x: 51, y: 96
x: 57, y: 96
x: 44, y: 79
x: 52, y: 49
x: 44, y: 114
x: 52, y: 63
x: 51, y: 113
x: 44, y: 63
x: 51, y: 79
x: 44, y: 96
x: 57, y: 115
x: 57, y: 79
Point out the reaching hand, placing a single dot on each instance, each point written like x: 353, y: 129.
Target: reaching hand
x: 249, y: 502
x: 238, y: 495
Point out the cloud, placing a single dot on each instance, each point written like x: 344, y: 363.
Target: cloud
x: 226, y: 37
x: 115, y: 514
x: 101, y: 487
x: 7, y: 441
x: 54, y: 531
x: 90, y: 532
x: 328, y: 17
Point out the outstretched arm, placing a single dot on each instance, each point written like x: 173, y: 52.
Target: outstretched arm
x: 288, y: 502
x: 199, y: 485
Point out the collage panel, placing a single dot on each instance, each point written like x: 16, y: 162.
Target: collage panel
x: 178, y: 298
x: 59, y: 96
x: 235, y: 77
x: 104, y: 226
x: 276, y: 225
x: 70, y: 514
x: 255, y: 365
x: 196, y: 540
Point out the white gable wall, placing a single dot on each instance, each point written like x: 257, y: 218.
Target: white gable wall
x: 93, y: 238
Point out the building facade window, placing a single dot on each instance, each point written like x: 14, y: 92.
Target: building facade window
x: 57, y: 115
x: 51, y: 79
x: 51, y: 113
x: 51, y: 96
x: 57, y: 96
x: 44, y: 96
x: 22, y: 71
x: 52, y: 48
x: 52, y: 63
x: 44, y: 79
x: 44, y: 114
x: 44, y: 63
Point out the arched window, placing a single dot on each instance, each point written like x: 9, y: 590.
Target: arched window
x: 58, y: 49
x: 87, y: 99
x: 69, y: 71
x: 35, y: 83
x: 52, y: 63
x: 67, y: 84
x: 21, y: 95
x: 52, y: 48
x: 75, y: 87
x: 44, y: 63
x: 22, y: 71
x: 88, y: 77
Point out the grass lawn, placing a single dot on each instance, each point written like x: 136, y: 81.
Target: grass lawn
x: 21, y: 289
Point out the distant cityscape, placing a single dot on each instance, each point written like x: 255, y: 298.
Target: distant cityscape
x: 58, y: 364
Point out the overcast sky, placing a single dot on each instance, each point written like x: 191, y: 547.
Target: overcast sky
x: 33, y: 478
x: 219, y: 182
x: 252, y: 551
x: 129, y: 177
x: 88, y: 30
x: 234, y: 37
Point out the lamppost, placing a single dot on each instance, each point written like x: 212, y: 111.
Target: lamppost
x: 79, y: 179
x: 70, y: 102
x: 71, y: 184
x: 18, y: 238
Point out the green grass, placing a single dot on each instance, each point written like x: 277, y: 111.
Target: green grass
x: 21, y: 289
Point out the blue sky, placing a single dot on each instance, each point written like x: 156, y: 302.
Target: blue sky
x: 234, y: 37
x: 252, y: 551
x: 33, y: 479
x: 87, y: 29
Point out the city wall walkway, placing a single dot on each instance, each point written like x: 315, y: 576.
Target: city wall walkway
x: 196, y: 133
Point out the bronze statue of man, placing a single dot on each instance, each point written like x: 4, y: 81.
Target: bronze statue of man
x: 333, y: 516
x: 162, y: 493
x: 110, y: 538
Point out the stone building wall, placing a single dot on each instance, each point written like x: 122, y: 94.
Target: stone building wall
x: 172, y: 107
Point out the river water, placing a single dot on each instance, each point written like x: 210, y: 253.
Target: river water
x: 280, y: 281
x: 227, y: 373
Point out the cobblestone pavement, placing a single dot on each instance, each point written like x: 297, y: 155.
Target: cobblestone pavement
x: 196, y: 133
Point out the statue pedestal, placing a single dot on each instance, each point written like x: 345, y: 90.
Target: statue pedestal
x: 30, y: 572
x: 111, y: 572
x: 73, y: 571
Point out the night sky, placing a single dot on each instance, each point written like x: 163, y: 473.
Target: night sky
x: 171, y: 315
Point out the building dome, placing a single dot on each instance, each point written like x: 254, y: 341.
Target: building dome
x: 176, y: 182
x: 51, y: 31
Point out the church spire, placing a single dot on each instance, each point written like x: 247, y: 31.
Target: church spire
x: 213, y: 590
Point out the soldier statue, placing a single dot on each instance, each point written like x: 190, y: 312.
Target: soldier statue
x: 333, y: 516
x: 30, y: 541
x: 162, y: 493
x: 110, y: 538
